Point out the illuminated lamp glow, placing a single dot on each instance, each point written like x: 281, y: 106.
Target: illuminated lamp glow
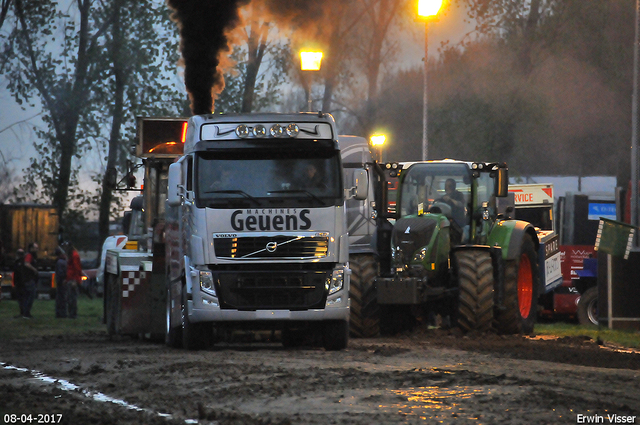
x: 184, y: 132
x: 310, y: 61
x: 428, y: 8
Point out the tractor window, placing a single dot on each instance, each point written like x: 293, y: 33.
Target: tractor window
x: 485, y: 190
x: 427, y: 184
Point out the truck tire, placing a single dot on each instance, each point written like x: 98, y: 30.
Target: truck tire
x: 335, y: 335
x: 588, y: 307
x: 112, y: 310
x: 365, y: 312
x: 195, y: 336
x: 474, y: 275
x: 173, y: 334
x: 521, y: 283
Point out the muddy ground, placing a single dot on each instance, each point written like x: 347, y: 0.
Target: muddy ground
x: 427, y: 376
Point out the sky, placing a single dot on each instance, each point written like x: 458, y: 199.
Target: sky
x: 16, y: 124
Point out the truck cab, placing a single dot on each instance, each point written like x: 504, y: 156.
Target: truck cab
x: 256, y: 232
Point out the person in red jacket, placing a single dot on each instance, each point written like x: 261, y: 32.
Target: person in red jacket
x: 74, y: 280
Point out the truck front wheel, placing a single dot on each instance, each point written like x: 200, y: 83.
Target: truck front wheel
x: 173, y: 336
x: 474, y: 275
x: 195, y: 336
x: 365, y: 312
x: 520, y: 292
x: 588, y: 307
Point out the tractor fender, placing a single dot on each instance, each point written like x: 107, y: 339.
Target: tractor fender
x: 508, y: 235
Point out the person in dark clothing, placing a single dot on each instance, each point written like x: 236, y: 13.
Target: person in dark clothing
x: 455, y: 199
x: 30, y: 279
x: 61, y: 284
x: 18, y: 280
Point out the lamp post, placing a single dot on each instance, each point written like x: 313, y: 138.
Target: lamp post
x: 427, y: 10
x: 309, y: 61
x: 377, y: 142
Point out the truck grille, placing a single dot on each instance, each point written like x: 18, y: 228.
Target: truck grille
x: 298, y: 247
x: 272, y: 290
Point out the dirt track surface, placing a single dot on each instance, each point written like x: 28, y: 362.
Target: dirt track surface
x: 429, y: 376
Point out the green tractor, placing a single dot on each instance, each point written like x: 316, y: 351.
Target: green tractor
x: 455, y: 251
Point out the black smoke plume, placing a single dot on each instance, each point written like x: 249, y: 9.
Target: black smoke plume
x: 202, y: 25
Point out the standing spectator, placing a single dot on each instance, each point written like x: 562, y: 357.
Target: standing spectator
x: 74, y: 279
x: 18, y: 280
x: 30, y: 277
x: 61, y: 284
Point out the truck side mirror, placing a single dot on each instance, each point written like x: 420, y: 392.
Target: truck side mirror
x: 174, y: 192
x: 361, y: 180
x: 502, y: 182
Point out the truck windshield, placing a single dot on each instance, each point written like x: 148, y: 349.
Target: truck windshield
x: 269, y: 177
x: 424, y: 185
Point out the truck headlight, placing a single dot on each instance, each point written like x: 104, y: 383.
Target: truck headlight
x: 337, y: 281
x: 206, y: 283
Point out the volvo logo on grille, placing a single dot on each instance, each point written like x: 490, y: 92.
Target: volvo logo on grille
x: 272, y: 246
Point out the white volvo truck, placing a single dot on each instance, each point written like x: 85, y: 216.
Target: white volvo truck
x: 255, y: 232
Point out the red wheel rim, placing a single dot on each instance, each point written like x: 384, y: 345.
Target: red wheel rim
x: 525, y: 286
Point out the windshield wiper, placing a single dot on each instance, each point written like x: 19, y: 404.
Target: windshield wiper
x: 238, y: 192
x: 306, y: 192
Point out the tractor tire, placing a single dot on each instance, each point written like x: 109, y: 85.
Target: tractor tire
x: 195, y: 336
x: 474, y: 275
x: 365, y: 312
x: 173, y: 334
x: 521, y: 283
x: 588, y: 308
x: 112, y: 310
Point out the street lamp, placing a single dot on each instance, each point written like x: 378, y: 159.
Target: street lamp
x: 427, y: 10
x: 309, y: 61
x: 377, y: 141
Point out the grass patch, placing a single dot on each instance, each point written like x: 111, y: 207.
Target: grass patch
x: 44, y: 322
x: 630, y: 339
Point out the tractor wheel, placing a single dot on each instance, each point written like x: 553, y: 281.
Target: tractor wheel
x: 521, y: 282
x: 195, y: 336
x: 365, y: 313
x: 474, y: 274
x: 588, y: 307
x: 112, y: 310
x: 173, y: 334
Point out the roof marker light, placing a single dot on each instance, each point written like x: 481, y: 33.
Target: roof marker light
x: 293, y: 130
x: 276, y: 130
x: 259, y: 130
x: 242, y: 131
